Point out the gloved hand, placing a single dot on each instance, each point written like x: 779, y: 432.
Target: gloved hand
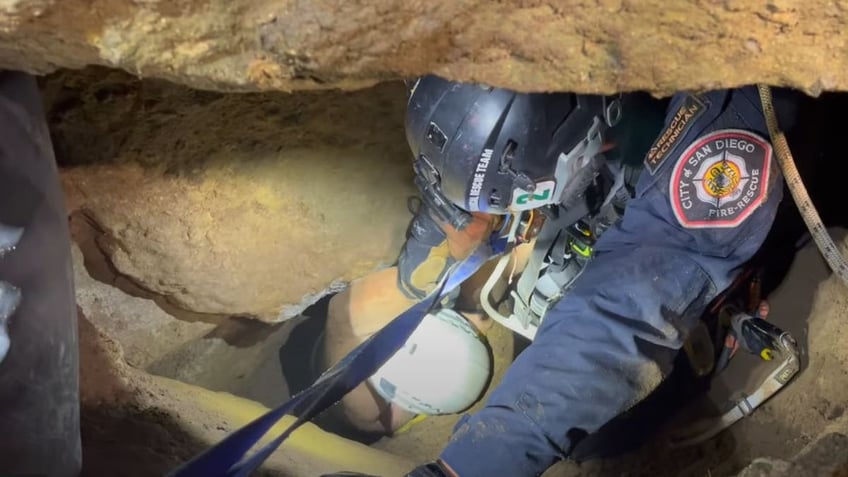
x: 433, y: 247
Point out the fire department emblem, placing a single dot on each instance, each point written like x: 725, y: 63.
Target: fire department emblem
x: 721, y: 179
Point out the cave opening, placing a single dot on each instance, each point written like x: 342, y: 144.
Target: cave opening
x: 211, y: 228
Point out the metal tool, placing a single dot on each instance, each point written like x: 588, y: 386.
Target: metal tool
x: 755, y: 306
x: 759, y: 337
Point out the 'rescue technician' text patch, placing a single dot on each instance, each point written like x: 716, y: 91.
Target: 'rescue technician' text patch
x: 721, y: 179
x: 686, y: 115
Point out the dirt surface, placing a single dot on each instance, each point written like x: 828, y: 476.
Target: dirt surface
x: 825, y: 456
x: 254, y: 205
x: 572, y: 45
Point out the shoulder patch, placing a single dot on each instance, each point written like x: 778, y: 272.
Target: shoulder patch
x: 721, y: 179
x: 690, y: 110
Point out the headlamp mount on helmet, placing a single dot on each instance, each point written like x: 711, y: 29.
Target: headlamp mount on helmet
x: 427, y: 180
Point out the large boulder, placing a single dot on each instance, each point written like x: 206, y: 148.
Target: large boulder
x: 253, y: 204
x: 600, y: 46
x: 145, y: 332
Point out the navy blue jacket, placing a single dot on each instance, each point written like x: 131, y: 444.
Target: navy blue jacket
x: 703, y: 207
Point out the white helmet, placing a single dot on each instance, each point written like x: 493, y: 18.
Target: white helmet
x: 443, y: 367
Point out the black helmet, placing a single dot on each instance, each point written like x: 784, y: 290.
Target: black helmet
x: 497, y: 151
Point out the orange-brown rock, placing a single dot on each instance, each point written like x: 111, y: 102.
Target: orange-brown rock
x: 578, y: 45
x: 249, y: 204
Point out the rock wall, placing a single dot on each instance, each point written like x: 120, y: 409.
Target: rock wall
x: 251, y: 204
x: 578, y: 45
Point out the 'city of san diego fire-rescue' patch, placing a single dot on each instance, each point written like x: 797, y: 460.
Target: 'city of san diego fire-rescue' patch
x: 721, y: 179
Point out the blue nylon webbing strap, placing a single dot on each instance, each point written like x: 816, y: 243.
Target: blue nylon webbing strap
x: 227, y: 457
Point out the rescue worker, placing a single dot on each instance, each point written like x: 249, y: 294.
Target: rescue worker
x: 524, y: 135
x: 39, y: 399
x: 477, y: 150
x: 702, y: 207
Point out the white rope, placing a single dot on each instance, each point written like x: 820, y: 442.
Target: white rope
x: 802, y: 199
